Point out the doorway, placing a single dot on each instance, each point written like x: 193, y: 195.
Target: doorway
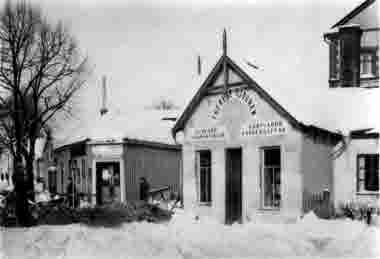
x: 233, y: 185
x: 107, y: 182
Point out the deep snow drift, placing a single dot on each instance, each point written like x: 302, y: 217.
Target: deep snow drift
x: 184, y: 237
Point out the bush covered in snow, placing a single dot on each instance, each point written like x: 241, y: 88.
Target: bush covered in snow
x: 359, y: 210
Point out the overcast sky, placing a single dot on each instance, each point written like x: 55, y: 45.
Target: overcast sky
x: 148, y: 49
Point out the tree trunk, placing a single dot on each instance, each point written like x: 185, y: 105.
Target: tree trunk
x: 20, y: 182
x: 30, y: 178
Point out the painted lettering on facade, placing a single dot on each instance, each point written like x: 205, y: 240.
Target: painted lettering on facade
x: 263, y: 128
x: 210, y: 133
x: 242, y: 95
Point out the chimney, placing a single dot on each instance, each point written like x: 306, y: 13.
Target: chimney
x: 104, y: 109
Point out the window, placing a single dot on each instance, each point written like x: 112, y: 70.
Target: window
x: 62, y: 178
x: 52, y: 179
x: 368, y: 172
x: 204, y: 158
x: 271, y: 177
x: 368, y: 62
x: 365, y: 65
x: 84, y: 180
x: 334, y: 59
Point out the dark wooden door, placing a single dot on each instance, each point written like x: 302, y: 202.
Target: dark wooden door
x: 233, y: 185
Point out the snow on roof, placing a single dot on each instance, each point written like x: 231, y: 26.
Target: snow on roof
x: 146, y: 125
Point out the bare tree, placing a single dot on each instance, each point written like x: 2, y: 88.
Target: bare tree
x: 41, y: 69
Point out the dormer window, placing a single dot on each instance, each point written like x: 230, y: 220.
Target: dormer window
x: 351, y: 63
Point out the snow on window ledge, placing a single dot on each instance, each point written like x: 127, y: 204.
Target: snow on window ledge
x: 269, y: 209
x: 367, y: 76
x: 204, y: 203
x: 368, y: 193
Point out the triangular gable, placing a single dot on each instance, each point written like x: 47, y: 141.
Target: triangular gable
x: 239, y: 78
x: 353, y: 13
x: 233, y: 78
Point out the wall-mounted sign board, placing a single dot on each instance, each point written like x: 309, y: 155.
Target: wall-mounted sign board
x: 207, y: 133
x: 107, y: 150
x: 263, y: 128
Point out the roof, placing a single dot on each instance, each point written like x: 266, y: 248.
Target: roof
x: 145, y: 126
x: 203, y: 90
x: 353, y: 13
x: 364, y: 134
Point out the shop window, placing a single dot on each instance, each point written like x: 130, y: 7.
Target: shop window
x: 89, y: 181
x: 204, y: 158
x: 368, y: 172
x: 271, y: 177
x: 62, y: 178
x: 84, y: 180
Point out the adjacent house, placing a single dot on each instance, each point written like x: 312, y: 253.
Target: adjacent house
x: 354, y: 62
x: 354, y: 48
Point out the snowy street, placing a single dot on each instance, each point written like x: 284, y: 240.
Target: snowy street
x: 184, y: 237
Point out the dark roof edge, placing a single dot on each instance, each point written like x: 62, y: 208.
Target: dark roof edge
x: 151, y: 144
x: 314, y: 130
x: 364, y: 135
x: 353, y: 13
x: 194, y: 101
x: 60, y: 148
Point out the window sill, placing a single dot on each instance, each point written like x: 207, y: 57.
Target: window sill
x: 270, y: 209
x: 369, y: 193
x: 368, y: 77
x: 202, y: 203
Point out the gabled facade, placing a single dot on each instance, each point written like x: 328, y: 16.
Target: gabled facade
x: 244, y: 155
x: 354, y: 48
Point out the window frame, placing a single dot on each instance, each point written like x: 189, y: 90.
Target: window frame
x: 371, y: 51
x: 262, y: 177
x: 362, y: 179
x: 206, y: 202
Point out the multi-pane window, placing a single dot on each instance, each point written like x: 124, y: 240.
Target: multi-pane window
x: 84, y: 180
x: 334, y: 59
x: 366, y: 63
x: 204, y: 158
x: 368, y: 172
x: 52, y: 179
x: 271, y: 177
x: 62, y: 178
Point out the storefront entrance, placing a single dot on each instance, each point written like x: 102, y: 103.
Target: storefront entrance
x: 233, y: 185
x: 107, y: 182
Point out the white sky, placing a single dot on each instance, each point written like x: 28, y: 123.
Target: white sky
x: 148, y: 49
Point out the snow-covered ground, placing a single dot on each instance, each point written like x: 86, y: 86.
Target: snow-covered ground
x: 184, y: 237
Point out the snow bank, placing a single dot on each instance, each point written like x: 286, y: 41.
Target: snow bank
x: 187, y: 237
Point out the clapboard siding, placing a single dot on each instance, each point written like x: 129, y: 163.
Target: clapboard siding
x: 160, y: 166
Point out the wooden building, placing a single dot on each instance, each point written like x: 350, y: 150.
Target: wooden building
x: 109, y: 171
x: 106, y: 157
